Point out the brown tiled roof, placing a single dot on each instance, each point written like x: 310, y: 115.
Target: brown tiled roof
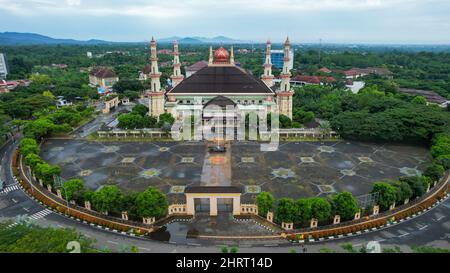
x: 221, y: 79
x: 102, y: 73
x: 197, y: 66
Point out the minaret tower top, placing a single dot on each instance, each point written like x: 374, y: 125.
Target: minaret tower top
x: 176, y: 77
x: 267, y: 77
x: 154, y: 73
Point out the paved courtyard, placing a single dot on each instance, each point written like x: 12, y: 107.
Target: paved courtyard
x: 300, y: 169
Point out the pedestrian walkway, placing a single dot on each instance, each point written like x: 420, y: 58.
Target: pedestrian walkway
x: 9, y: 189
x: 35, y: 216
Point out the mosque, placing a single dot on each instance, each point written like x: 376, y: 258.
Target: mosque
x: 220, y: 83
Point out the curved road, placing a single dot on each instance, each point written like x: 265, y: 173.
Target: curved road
x: 430, y: 228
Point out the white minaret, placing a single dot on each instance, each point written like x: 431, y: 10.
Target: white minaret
x: 286, y: 74
x: 285, y: 93
x: 154, y: 72
x: 176, y: 77
x: 210, y: 55
x: 267, y: 77
x: 156, y: 95
x: 232, y: 56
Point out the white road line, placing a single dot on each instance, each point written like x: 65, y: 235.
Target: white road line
x: 404, y: 234
x: 143, y: 248
x: 440, y: 218
x: 424, y: 227
x: 112, y: 242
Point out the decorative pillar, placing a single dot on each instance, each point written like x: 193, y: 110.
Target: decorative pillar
x: 269, y: 216
x: 210, y: 55
x: 337, y: 219
x: 406, y: 201
x: 87, y: 205
x: 232, y: 56
x: 213, y: 206
x: 58, y: 192
x: 391, y: 207
x: 314, y: 223
x: 236, y: 205
x: 287, y: 226
x: 49, y: 187
x: 357, y: 215
x: 190, y: 207
x: 148, y: 220
x: 124, y: 215
x: 376, y: 210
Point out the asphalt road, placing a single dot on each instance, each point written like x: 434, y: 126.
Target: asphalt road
x: 431, y: 228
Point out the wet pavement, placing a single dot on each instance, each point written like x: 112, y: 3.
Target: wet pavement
x: 296, y: 170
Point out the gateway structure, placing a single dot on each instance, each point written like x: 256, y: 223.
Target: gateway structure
x: 220, y: 83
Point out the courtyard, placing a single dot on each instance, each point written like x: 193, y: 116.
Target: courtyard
x: 297, y: 169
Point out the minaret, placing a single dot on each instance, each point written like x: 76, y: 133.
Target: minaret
x: 176, y: 77
x: 210, y: 55
x: 157, y: 99
x: 267, y: 77
x: 154, y: 72
x: 286, y: 74
x: 232, y: 56
x: 285, y: 93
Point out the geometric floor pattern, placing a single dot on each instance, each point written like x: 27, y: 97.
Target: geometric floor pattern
x: 296, y: 169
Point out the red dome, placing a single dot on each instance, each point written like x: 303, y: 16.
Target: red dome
x: 221, y: 56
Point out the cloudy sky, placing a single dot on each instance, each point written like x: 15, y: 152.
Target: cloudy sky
x: 363, y: 21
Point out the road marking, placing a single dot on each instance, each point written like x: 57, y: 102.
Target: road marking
x: 404, y: 234
x: 26, y: 209
x: 112, y: 242
x: 40, y: 214
x: 9, y: 189
x: 14, y: 200
x: 440, y: 218
x: 143, y: 248
x: 424, y: 227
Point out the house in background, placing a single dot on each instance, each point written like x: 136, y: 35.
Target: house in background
x: 190, y: 70
x: 102, y: 77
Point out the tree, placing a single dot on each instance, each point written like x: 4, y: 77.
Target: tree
x: 74, y: 190
x: 419, y: 100
x: 345, y: 205
x: 140, y: 109
x: 416, y: 183
x: 441, y: 146
x: 285, y: 210
x: 265, y: 201
x: 444, y: 161
x: 32, y: 160
x: 166, y: 119
x: 107, y: 199
x: 23, y: 238
x: 303, y: 211
x: 404, y: 191
x: 46, y: 172
x: 285, y: 121
x: 387, y: 194
x: 151, y: 203
x: 128, y: 85
x: 434, y: 171
x: 320, y: 209
x: 29, y: 146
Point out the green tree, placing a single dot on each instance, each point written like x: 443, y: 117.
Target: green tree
x: 151, y: 203
x: 74, y: 190
x: 265, y: 201
x: 320, y: 209
x: 303, y: 211
x: 345, y: 205
x: 28, y: 146
x: 434, y: 171
x: 416, y: 183
x: 404, y: 191
x: 444, y: 161
x: 140, y: 109
x: 285, y: 210
x: 419, y: 100
x: 47, y: 172
x: 166, y: 119
x: 387, y: 194
x: 107, y: 199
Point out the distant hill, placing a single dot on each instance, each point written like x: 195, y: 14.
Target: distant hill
x: 16, y: 38
x: 202, y: 40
